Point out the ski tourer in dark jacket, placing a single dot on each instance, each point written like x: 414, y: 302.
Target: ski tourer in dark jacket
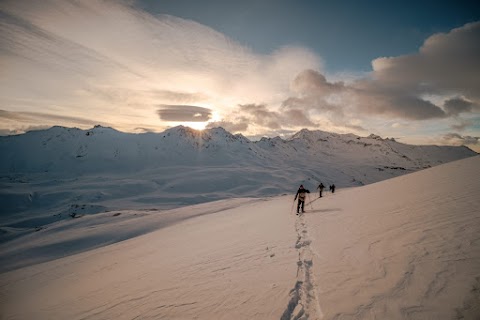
x: 321, y: 187
x: 301, y: 194
x: 332, y: 188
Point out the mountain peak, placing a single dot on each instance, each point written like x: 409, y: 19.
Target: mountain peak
x: 182, y: 131
x: 310, y: 135
x: 217, y: 134
x: 304, y: 133
x: 374, y: 136
x: 100, y: 127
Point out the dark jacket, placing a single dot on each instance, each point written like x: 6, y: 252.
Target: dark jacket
x: 301, y: 194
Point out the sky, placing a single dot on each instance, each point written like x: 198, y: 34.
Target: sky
x: 402, y: 69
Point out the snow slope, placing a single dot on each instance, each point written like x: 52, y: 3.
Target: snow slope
x: 404, y: 248
x: 49, y: 175
x: 222, y: 265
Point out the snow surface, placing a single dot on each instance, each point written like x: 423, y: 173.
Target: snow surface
x: 403, y: 248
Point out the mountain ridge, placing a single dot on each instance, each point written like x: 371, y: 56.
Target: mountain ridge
x: 63, y: 171
x: 75, y: 145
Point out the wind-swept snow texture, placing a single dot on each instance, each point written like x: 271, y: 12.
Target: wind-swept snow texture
x: 234, y: 262
x: 51, y: 175
x: 404, y: 248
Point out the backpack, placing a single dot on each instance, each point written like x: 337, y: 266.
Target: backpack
x: 301, y: 195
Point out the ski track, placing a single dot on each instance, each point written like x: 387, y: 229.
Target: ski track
x: 304, y: 303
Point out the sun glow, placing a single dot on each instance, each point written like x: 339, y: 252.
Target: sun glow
x: 195, y: 125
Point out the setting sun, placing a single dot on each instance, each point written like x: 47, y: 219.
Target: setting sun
x: 195, y: 125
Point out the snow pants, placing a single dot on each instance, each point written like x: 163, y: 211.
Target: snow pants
x: 302, y: 204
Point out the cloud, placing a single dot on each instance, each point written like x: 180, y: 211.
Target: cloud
x: 45, y: 118
x: 233, y: 127
x: 21, y: 122
x: 262, y: 116
x: 447, y: 64
x: 262, y: 120
x: 310, y: 82
x: 457, y: 139
x: 144, y: 130
x: 458, y: 105
x: 462, y: 124
x: 318, y: 102
x: 438, y: 82
x: 7, y: 115
x: 182, y: 113
x: 180, y: 97
x: 446, y: 61
x: 116, y: 62
x: 314, y: 92
x: 374, y: 99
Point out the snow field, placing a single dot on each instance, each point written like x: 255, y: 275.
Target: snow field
x: 229, y: 269
x: 404, y: 248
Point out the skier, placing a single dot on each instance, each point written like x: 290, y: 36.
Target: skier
x: 301, y: 193
x: 321, y: 187
x: 332, y: 188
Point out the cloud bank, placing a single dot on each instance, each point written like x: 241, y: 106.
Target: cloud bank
x: 447, y: 65
x: 458, y: 140
x: 437, y: 83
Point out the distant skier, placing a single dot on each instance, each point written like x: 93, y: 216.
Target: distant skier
x: 321, y: 187
x: 332, y: 188
x: 301, y: 193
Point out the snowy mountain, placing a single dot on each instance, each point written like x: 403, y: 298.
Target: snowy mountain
x: 74, y: 152
x: 61, y: 172
x: 404, y: 248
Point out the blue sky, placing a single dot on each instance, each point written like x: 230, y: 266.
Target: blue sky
x: 407, y: 70
x: 348, y: 35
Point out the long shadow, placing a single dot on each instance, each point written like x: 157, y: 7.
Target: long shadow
x: 315, y: 199
x: 323, y: 210
x: 35, y: 254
